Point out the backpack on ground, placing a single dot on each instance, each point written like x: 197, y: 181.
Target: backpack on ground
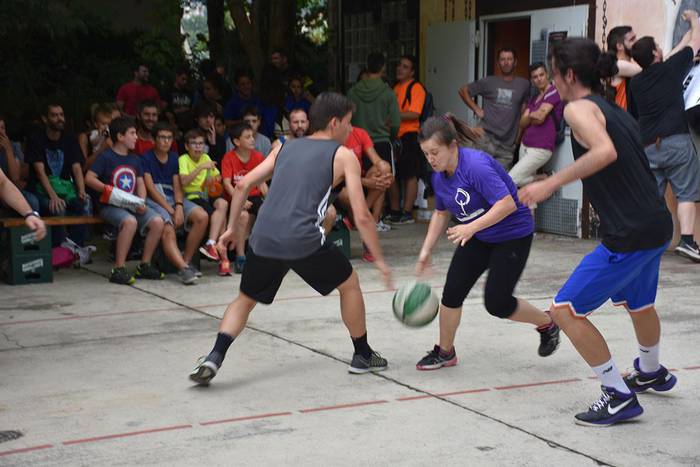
x: 428, y: 109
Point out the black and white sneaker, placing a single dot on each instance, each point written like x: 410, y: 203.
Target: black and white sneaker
x: 688, y: 250
x: 549, y: 340
x: 436, y: 358
x: 661, y: 380
x: 374, y: 363
x: 206, y: 369
x: 612, y: 407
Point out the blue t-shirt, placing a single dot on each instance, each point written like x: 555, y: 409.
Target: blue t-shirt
x: 477, y: 184
x: 234, y: 108
x: 162, y: 174
x: 291, y: 104
x: 117, y: 170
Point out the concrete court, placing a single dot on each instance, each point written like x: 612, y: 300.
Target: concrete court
x: 96, y: 374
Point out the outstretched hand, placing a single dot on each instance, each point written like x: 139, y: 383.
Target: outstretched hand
x: 535, y: 192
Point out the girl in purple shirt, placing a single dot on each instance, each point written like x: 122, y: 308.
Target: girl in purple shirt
x: 494, y: 233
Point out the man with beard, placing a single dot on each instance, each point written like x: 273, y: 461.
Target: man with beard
x: 131, y: 94
x: 298, y: 127
x: 504, y: 97
x: 145, y: 121
x: 620, y: 41
x: 56, y: 174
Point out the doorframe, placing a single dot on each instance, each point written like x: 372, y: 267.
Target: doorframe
x: 482, y: 23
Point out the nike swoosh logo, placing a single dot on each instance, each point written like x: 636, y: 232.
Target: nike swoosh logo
x: 607, y: 370
x: 643, y: 383
x: 614, y: 410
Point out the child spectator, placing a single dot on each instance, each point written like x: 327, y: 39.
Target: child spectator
x: 205, y: 119
x: 237, y: 163
x: 165, y: 196
x: 94, y: 141
x: 119, y: 168
x: 297, y: 97
x: 251, y: 116
x: 198, y: 173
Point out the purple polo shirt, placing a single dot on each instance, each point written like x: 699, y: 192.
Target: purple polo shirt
x: 544, y: 136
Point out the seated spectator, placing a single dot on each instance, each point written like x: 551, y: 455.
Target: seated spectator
x: 237, y: 163
x: 165, y: 196
x: 10, y: 196
x: 297, y: 97
x: 131, y: 94
x: 251, y: 116
x: 214, y: 144
x: 298, y: 127
x: 145, y: 121
x: 539, y: 125
x: 199, y: 176
x: 212, y: 92
x: 12, y: 164
x: 179, y: 101
x: 117, y: 170
x: 56, y: 174
x: 96, y: 139
x: 242, y: 97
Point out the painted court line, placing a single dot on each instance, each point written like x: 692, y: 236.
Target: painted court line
x: 529, y: 385
x: 98, y: 315
x: 125, y: 435
x: 242, y: 419
x: 342, y: 406
x: 21, y: 450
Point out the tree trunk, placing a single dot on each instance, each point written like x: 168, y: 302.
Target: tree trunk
x: 248, y: 33
x: 217, y: 33
x: 283, y: 21
x: 333, y: 15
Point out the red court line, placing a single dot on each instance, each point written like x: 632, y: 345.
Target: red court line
x: 241, y: 419
x: 692, y: 367
x: 342, y: 406
x: 125, y: 435
x: 99, y: 315
x: 529, y: 385
x: 21, y: 450
x: 442, y: 394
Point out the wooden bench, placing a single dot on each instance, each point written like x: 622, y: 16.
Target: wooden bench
x: 29, y: 261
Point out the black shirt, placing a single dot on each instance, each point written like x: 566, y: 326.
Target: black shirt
x: 57, y: 156
x: 633, y: 216
x: 657, y: 97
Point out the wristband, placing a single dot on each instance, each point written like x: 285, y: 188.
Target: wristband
x: 179, y: 204
x: 31, y: 213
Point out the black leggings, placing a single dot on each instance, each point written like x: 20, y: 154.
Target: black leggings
x: 505, y: 262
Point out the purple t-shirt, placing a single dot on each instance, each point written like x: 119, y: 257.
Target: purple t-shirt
x: 477, y: 184
x: 544, y: 136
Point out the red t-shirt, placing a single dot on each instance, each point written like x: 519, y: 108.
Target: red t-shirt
x: 132, y: 94
x: 359, y: 142
x: 143, y: 145
x: 233, y: 168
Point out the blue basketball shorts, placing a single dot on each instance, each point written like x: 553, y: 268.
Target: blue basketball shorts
x: 628, y: 279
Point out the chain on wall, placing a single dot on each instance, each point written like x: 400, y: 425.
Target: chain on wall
x: 605, y: 22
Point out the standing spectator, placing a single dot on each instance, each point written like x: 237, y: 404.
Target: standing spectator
x: 410, y: 96
x: 298, y: 127
x: 243, y: 97
x: 251, y: 116
x: 179, y: 100
x: 296, y: 97
x: 237, y: 163
x: 539, y: 126
x: 132, y: 93
x: 165, y: 196
x: 197, y: 173
x: 657, y: 102
x: 504, y: 97
x: 96, y: 139
x: 620, y: 41
x: 376, y: 109
x: 214, y: 144
x: 56, y: 173
x: 119, y: 168
x: 11, y: 163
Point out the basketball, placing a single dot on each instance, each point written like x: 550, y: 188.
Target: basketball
x: 215, y: 189
x: 415, y: 304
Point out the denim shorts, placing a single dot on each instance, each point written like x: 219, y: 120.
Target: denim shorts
x: 115, y: 216
x: 187, y: 207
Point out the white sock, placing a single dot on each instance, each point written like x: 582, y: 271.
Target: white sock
x: 211, y: 242
x: 649, y: 358
x: 610, y: 377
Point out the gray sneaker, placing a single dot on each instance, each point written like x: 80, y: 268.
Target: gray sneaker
x: 197, y: 272
x: 688, y: 250
x: 187, y: 276
x: 360, y: 364
x: 205, y: 370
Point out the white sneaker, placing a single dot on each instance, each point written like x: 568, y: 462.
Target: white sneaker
x: 688, y: 250
x: 382, y: 227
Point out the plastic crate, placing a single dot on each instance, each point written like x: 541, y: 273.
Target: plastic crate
x: 22, y: 241
x: 340, y: 237
x: 27, y: 269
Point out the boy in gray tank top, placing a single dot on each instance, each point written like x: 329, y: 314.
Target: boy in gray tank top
x: 288, y: 233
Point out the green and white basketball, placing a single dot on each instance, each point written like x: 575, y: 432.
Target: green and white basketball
x: 415, y: 304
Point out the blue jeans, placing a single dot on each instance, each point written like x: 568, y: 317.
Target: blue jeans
x: 76, y: 207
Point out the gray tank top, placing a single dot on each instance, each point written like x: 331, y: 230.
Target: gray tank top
x: 289, y: 222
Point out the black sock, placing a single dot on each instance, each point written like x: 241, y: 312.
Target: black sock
x: 687, y: 239
x: 223, y: 342
x: 361, y: 345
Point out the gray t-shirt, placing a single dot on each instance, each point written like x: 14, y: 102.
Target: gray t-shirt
x: 503, y: 101
x: 262, y: 144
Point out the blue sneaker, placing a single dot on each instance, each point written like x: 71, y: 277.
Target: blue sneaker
x: 661, y: 380
x: 612, y: 407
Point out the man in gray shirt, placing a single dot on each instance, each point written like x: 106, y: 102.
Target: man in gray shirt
x: 505, y: 98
